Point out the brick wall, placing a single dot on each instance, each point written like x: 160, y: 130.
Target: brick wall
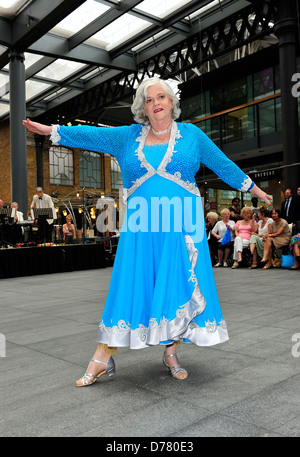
x: 60, y: 191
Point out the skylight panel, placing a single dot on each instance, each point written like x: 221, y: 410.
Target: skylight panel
x: 60, y: 69
x: 4, y: 109
x: 31, y: 59
x: 80, y: 18
x: 204, y: 9
x: 161, y: 8
x: 151, y: 40
x: 8, y: 3
x: 120, y: 30
x: 3, y: 84
x: 56, y: 94
x: 92, y: 73
x: 9, y: 7
x: 33, y: 88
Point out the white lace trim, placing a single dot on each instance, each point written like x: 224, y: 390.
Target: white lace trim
x: 121, y: 335
x: 161, y: 170
x: 246, y: 184
x: 54, y: 136
x: 122, y: 330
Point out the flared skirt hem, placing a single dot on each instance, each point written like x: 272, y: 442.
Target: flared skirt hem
x: 142, y: 337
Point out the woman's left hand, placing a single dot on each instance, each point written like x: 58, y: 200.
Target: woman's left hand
x: 259, y: 193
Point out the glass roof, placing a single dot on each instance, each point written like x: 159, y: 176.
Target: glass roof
x: 59, y: 70
x: 91, y: 41
x: 161, y: 8
x: 80, y: 18
x: 118, y: 31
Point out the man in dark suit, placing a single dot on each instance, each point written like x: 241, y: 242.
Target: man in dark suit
x: 289, y: 207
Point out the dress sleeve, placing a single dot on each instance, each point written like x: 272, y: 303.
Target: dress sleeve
x: 214, y: 159
x: 110, y: 140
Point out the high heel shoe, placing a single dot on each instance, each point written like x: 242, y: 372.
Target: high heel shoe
x: 176, y: 369
x: 89, y: 378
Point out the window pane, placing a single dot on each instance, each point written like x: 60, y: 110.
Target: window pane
x: 61, y: 166
x: 90, y: 169
x: 228, y: 96
x: 116, y: 177
x: 238, y: 125
x: 266, y: 117
x: 263, y: 83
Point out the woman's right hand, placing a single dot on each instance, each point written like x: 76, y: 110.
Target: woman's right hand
x: 35, y: 127
x: 259, y: 193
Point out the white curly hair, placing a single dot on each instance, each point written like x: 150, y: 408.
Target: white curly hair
x: 137, y: 107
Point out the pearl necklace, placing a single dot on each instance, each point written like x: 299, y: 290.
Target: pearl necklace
x: 162, y: 132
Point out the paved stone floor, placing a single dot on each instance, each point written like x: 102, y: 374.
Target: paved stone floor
x: 247, y: 387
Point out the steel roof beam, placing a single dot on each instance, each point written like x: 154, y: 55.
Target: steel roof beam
x: 5, y: 27
x: 32, y: 23
x: 55, y: 46
x: 168, y: 21
x: 102, y: 78
x: 38, y: 18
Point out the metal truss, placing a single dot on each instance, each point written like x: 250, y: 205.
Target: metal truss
x: 239, y: 32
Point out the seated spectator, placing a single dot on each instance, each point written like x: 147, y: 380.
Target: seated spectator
x: 278, y: 235
x: 235, y: 213
x: 16, y: 230
x: 68, y: 229
x: 221, y: 227
x: 211, y: 219
x: 243, y: 231
x: 256, y: 240
x: 295, y: 245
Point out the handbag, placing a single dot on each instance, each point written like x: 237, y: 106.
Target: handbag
x: 287, y: 261
x: 226, y: 238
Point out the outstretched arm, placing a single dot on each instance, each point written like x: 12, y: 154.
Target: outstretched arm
x: 110, y: 140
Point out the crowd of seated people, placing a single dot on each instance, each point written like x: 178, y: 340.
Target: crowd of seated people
x: 256, y: 229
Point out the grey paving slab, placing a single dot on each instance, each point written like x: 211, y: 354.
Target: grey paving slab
x: 247, y: 387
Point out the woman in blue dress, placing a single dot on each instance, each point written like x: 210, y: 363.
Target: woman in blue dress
x: 162, y: 288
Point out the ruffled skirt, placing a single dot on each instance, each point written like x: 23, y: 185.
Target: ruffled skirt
x: 162, y: 285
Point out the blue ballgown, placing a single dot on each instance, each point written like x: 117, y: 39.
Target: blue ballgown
x: 162, y: 286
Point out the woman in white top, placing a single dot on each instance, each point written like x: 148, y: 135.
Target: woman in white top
x: 219, y: 232
x: 256, y: 240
